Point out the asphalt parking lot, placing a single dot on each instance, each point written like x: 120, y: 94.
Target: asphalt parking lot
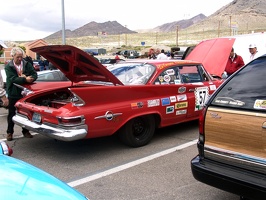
x: 104, y: 168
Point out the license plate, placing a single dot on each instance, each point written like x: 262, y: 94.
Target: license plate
x: 36, y: 117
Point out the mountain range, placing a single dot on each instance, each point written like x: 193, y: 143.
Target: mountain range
x: 241, y: 15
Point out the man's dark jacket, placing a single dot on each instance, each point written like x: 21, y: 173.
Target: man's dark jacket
x: 12, y: 77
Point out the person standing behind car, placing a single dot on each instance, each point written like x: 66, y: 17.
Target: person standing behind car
x: 162, y: 56
x: 234, y: 63
x: 18, y: 71
x: 41, y: 63
x: 253, y: 51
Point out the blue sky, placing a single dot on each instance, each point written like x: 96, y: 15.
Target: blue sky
x: 35, y: 19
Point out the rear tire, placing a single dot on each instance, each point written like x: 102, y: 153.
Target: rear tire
x: 138, y: 131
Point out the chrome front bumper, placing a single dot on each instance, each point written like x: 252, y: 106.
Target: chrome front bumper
x: 59, y: 133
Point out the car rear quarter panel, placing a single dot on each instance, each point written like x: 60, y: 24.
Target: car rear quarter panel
x: 130, y: 101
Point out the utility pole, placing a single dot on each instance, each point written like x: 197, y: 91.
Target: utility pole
x: 219, y: 24
x: 126, y: 37
x: 63, y: 23
x: 230, y: 22
x: 177, y: 36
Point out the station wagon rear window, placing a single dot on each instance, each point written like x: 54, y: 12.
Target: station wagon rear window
x: 246, y: 90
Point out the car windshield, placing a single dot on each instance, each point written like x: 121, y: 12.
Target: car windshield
x: 133, y: 73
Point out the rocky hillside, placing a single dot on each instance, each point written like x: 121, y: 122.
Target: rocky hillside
x: 94, y: 29
x: 244, y: 16
x: 182, y: 24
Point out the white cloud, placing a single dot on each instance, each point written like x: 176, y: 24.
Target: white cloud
x: 34, y: 19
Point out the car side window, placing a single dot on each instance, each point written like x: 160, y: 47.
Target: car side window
x: 246, y: 89
x: 190, y: 74
x: 168, y: 76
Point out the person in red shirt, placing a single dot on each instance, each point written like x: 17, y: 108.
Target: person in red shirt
x: 234, y: 63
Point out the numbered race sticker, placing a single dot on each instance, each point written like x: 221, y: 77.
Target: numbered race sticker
x: 201, y: 97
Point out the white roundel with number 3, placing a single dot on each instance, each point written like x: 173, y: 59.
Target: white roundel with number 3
x: 201, y: 96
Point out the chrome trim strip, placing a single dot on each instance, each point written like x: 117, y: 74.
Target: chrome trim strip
x: 235, y: 158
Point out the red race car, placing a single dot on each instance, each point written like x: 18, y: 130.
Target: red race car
x: 131, y: 99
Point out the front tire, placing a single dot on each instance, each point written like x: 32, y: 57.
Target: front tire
x: 138, y: 131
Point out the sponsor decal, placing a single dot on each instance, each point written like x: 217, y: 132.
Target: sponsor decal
x: 198, y: 83
x: 201, y: 97
x: 177, y: 81
x: 173, y: 99
x: 260, y: 104
x: 136, y: 105
x: 170, y: 109
x: 170, y: 72
x: 212, y: 87
x: 160, y: 78
x: 165, y: 101
x: 181, y: 90
x: 181, y: 112
x: 167, y: 78
x: 181, y: 105
x: 153, y: 102
x: 182, y: 97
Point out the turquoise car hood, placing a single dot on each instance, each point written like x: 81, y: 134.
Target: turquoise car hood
x: 20, y: 181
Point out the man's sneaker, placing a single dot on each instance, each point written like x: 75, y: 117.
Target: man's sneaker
x: 9, y: 137
x: 27, y: 135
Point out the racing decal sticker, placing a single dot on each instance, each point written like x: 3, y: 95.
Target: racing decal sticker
x: 201, y: 96
x: 165, y: 101
x: 177, y: 81
x: 260, y: 104
x: 173, y: 99
x: 182, y: 97
x: 170, y: 72
x: 212, y: 87
x: 181, y: 112
x: 160, y: 78
x: 170, y: 109
x: 136, y: 105
x: 167, y: 78
x: 182, y: 89
x: 181, y: 105
x: 153, y: 102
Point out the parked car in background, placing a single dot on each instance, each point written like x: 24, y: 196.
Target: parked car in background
x: 47, y: 79
x: 232, y: 134
x: 107, y: 62
x: 131, y: 100
x: 20, y: 180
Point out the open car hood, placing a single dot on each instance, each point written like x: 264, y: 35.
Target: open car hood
x: 213, y: 54
x: 76, y: 64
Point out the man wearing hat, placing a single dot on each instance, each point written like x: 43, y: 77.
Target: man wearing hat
x: 253, y: 51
